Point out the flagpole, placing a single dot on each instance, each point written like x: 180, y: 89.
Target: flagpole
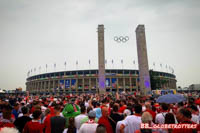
x: 39, y: 69
x: 76, y: 65
x: 65, y: 65
x: 161, y: 66
x: 89, y: 65
x: 55, y: 67
x: 112, y: 63
x: 122, y: 64
x: 134, y: 66
x: 106, y: 63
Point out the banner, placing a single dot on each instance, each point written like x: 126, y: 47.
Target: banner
x: 61, y: 85
x: 67, y: 83
x: 114, y: 82
x: 107, y: 82
x: 73, y: 83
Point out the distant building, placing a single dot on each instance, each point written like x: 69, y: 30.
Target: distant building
x: 87, y: 81
x: 194, y: 87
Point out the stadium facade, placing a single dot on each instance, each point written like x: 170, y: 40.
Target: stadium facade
x: 86, y: 81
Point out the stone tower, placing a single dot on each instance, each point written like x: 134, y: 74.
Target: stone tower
x: 101, y: 59
x: 144, y: 78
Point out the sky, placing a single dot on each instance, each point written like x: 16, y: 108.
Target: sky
x: 34, y: 33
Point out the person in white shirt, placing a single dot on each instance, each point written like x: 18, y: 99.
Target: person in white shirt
x: 90, y: 126
x: 194, y: 110
x: 101, y: 129
x: 132, y: 122
x: 126, y: 113
x: 79, y: 118
x: 160, y: 117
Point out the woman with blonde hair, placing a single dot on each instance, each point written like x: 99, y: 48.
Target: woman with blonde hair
x: 146, y: 119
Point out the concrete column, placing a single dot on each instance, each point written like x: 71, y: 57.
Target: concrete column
x: 145, y: 85
x: 117, y: 87
x: 76, y: 86
x: 101, y: 59
x: 124, y: 84
x: 49, y: 84
x: 96, y: 85
x: 89, y: 84
x: 136, y: 83
x: 45, y: 86
x: 53, y: 85
x: 83, y: 84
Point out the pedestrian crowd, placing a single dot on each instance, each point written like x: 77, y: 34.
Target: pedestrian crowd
x: 95, y: 113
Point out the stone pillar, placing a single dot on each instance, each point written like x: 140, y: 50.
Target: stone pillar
x: 130, y: 80
x: 53, y: 86
x: 89, y: 87
x: 117, y: 86
x: 145, y: 85
x: 101, y: 59
x: 83, y: 84
x: 124, y: 84
x: 49, y: 84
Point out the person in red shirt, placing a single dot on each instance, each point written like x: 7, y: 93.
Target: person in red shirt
x: 184, y: 117
x: 122, y: 106
x: 6, y: 121
x: 47, y: 121
x: 104, y: 120
x: 149, y: 109
x: 34, y: 126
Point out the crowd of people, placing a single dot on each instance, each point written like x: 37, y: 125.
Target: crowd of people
x: 95, y: 113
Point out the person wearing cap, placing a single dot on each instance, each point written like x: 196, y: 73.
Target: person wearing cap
x: 132, y: 122
x: 90, y: 126
x: 160, y: 117
x: 70, y: 110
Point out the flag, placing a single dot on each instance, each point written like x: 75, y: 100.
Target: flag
x: 134, y: 62
x: 122, y: 61
x: 160, y: 65
x: 76, y: 62
x: 112, y: 61
x: 105, y: 61
x: 166, y: 65
x: 154, y: 63
x: 54, y: 64
x: 89, y: 61
x: 46, y: 65
x: 65, y: 63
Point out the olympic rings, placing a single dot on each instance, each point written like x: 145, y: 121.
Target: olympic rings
x: 121, y: 39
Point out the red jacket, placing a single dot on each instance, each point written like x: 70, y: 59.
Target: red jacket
x: 104, y: 121
x: 6, y: 124
x: 185, y: 130
x: 33, y: 127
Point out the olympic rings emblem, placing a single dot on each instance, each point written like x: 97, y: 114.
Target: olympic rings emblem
x: 121, y: 39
